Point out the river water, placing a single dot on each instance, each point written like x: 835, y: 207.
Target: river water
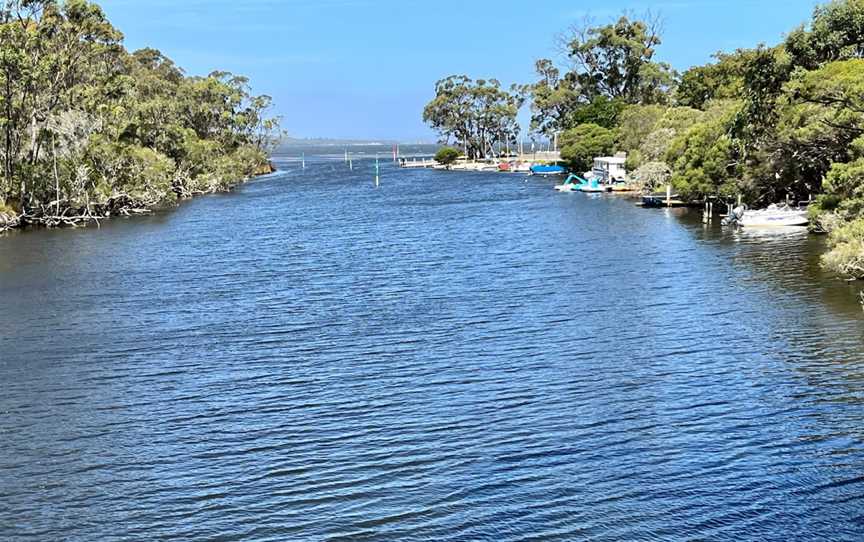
x: 448, y: 357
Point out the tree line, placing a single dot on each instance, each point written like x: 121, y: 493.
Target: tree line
x: 88, y: 129
x: 478, y: 116
x: 768, y: 123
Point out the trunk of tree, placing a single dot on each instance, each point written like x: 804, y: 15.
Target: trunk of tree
x: 7, y: 158
x: 34, y: 139
x: 24, y: 196
x: 56, y: 175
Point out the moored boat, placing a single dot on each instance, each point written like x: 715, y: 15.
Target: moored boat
x: 539, y: 169
x: 772, y: 216
x: 657, y: 201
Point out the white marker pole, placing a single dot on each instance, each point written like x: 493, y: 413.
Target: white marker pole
x: 377, y: 171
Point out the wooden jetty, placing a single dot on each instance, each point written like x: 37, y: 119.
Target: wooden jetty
x: 655, y: 201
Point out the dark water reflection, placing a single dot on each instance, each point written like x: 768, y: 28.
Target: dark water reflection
x: 449, y: 357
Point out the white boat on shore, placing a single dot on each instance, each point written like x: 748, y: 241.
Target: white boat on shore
x: 772, y: 216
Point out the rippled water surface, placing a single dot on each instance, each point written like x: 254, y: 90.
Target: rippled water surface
x: 449, y: 357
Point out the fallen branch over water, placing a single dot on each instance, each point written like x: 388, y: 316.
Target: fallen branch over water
x: 9, y: 221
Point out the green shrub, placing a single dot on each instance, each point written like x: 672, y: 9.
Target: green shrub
x: 150, y: 177
x: 446, y: 156
x: 580, y: 145
x: 652, y: 175
x: 846, y: 254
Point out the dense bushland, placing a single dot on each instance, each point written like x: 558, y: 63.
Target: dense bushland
x: 89, y: 130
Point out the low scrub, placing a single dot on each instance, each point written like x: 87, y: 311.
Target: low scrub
x: 846, y: 254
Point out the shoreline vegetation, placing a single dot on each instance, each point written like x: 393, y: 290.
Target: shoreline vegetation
x: 767, y: 124
x: 89, y: 130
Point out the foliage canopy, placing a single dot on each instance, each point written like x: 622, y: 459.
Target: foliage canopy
x: 88, y: 129
x: 479, y: 115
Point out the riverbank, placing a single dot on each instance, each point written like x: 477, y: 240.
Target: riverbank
x: 115, y: 207
x: 8, y: 219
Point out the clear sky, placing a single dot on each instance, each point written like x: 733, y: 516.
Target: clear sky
x: 365, y: 68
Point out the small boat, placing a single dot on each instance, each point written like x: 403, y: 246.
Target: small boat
x: 658, y: 201
x: 538, y: 169
x: 521, y: 167
x: 573, y: 182
x: 772, y: 216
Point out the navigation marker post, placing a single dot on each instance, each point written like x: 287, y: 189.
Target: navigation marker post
x: 377, y: 171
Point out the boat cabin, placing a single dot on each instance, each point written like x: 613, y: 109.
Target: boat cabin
x: 610, y: 168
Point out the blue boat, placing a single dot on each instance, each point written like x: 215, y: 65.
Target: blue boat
x: 547, y: 170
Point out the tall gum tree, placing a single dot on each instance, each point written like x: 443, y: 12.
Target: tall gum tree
x: 610, y: 66
x: 479, y: 116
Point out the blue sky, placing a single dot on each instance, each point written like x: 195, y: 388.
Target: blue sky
x: 365, y: 68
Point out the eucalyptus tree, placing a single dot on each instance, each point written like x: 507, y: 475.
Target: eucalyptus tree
x: 554, y: 99
x: 722, y: 79
x: 51, y: 51
x: 617, y: 60
x: 89, y: 129
x: 610, y: 66
x: 836, y: 32
x: 479, y: 116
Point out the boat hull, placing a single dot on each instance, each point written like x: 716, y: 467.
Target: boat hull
x: 547, y: 170
x: 774, y: 220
